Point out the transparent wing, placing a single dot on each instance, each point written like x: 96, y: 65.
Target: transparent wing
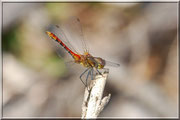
x: 74, y: 32
x: 59, y: 32
x: 112, y: 64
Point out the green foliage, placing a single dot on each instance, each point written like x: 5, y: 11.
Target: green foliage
x: 57, y: 10
x: 10, y: 41
x: 55, y: 66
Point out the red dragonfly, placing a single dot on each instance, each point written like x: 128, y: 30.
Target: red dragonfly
x: 73, y: 27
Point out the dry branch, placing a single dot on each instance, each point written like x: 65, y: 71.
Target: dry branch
x: 93, y: 103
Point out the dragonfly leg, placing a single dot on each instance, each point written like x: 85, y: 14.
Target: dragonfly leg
x: 82, y: 75
x: 92, y: 77
x: 99, y: 72
x: 89, y: 72
x: 106, y: 70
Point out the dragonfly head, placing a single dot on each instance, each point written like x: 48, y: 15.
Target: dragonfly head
x: 100, y: 62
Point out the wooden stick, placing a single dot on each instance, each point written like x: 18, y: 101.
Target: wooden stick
x: 93, y: 103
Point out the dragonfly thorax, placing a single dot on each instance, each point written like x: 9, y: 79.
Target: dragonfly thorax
x: 87, y: 60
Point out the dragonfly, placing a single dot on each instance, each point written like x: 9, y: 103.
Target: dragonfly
x: 62, y: 35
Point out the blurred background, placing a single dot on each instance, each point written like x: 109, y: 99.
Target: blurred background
x: 141, y: 37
